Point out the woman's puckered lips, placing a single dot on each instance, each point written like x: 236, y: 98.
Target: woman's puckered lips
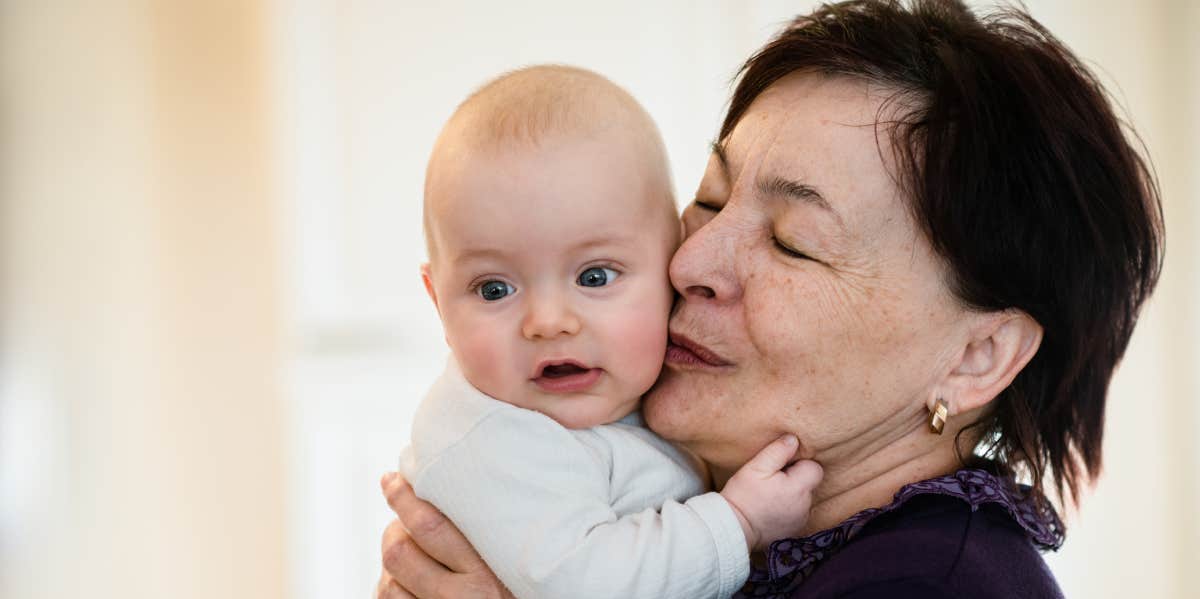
x: 681, y: 346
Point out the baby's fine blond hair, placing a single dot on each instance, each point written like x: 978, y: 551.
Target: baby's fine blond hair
x: 530, y: 105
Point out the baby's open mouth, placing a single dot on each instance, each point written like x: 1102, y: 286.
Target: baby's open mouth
x: 557, y: 371
x: 566, y: 377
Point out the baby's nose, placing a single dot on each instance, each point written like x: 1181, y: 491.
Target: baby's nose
x: 548, y: 317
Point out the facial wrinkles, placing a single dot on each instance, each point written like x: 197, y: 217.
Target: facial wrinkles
x: 840, y: 241
x: 850, y: 293
x: 747, y: 164
x: 857, y: 289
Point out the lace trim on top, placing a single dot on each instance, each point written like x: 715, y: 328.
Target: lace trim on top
x: 791, y: 561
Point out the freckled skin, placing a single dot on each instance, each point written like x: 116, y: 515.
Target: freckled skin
x: 841, y: 350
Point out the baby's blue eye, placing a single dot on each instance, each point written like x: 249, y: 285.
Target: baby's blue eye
x: 597, y: 277
x: 493, y: 290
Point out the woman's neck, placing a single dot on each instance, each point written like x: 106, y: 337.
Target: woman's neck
x: 847, y: 490
x: 852, y: 484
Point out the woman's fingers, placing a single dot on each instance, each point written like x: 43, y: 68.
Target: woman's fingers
x: 435, y: 534
x: 410, y: 568
x: 389, y: 589
x: 415, y: 575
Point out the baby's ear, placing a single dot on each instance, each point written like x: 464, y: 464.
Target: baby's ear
x: 427, y: 278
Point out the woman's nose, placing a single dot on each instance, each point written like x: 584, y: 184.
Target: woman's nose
x: 548, y: 316
x: 703, y: 267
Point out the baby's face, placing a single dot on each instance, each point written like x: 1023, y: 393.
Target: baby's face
x: 550, y: 274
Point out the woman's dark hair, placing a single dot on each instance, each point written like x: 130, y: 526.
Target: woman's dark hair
x: 1022, y: 178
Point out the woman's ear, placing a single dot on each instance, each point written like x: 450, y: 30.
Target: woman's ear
x: 999, y: 346
x: 427, y: 278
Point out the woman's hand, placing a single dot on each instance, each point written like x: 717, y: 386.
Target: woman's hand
x: 424, y: 554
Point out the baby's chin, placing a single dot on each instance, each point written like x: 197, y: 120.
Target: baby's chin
x: 578, y: 413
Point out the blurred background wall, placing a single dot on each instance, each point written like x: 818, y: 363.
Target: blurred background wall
x: 141, y: 425
x: 213, y: 332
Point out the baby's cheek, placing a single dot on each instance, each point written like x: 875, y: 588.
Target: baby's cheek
x: 641, y: 342
x: 484, y: 360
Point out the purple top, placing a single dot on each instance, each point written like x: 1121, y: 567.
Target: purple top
x: 971, y: 533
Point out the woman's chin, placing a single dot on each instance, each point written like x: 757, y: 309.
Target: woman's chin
x: 670, y: 413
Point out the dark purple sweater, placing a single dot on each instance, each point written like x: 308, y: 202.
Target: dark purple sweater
x: 970, y: 534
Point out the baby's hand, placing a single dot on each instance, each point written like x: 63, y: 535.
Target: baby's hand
x: 770, y: 502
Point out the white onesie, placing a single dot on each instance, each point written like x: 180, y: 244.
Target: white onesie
x: 572, y: 513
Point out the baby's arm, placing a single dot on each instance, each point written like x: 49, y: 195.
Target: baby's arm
x: 770, y: 502
x: 536, y: 503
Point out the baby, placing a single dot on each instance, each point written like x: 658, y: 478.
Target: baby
x: 550, y: 223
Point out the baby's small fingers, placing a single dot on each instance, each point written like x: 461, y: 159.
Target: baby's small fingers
x: 774, y: 456
x: 805, y: 473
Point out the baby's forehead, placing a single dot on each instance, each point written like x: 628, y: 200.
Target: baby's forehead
x: 548, y: 196
x: 611, y: 182
x: 627, y: 168
x: 519, y: 121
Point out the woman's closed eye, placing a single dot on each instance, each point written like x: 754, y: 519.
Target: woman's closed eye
x: 706, y: 205
x: 787, y: 251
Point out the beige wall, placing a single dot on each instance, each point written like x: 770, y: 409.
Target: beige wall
x: 141, y: 322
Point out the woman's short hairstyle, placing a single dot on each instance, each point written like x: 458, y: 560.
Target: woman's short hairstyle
x: 1023, y: 179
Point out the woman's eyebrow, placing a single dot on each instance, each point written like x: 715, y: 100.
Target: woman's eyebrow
x: 794, y: 190
x: 718, y: 148
x: 778, y: 186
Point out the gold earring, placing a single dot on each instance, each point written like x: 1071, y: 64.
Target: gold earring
x: 940, y: 413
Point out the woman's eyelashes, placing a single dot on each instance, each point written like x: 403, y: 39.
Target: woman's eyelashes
x: 784, y: 249
x: 787, y: 251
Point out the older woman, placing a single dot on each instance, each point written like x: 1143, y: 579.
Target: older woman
x: 920, y: 246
